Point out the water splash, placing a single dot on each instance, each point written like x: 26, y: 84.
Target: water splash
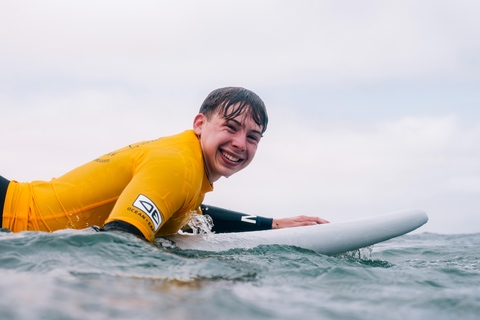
x: 362, y: 253
x: 200, y: 224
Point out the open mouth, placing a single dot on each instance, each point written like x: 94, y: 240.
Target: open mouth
x: 231, y: 157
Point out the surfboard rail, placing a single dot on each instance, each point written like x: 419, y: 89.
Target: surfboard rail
x: 329, y: 239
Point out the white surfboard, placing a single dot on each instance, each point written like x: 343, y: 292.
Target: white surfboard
x: 329, y: 239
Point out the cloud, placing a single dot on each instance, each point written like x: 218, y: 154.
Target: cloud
x: 351, y: 170
x: 47, y: 135
x: 382, y: 96
x: 275, y: 42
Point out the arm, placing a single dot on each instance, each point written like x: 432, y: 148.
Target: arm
x: 232, y: 221
x: 154, y: 199
x: 119, y: 225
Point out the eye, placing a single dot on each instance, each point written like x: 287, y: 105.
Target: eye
x: 253, y: 138
x: 231, y: 127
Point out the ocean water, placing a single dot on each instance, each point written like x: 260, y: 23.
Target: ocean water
x: 90, y: 275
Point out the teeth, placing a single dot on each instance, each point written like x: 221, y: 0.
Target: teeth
x: 229, y: 157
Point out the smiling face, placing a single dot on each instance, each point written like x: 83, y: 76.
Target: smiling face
x: 228, y: 145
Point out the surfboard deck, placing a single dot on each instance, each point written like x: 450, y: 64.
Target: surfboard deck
x: 329, y: 239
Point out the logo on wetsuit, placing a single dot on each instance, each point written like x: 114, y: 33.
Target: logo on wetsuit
x: 250, y: 219
x: 147, y: 206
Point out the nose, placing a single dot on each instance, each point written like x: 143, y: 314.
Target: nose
x: 239, y: 141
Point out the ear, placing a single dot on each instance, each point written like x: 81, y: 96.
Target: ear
x: 198, y: 123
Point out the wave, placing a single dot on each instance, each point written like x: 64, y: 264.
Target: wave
x: 85, y: 274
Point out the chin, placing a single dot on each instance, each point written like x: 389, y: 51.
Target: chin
x: 229, y: 174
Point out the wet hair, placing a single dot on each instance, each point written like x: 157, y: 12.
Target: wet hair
x: 223, y: 101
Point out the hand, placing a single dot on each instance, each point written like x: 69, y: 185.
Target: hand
x: 299, y: 221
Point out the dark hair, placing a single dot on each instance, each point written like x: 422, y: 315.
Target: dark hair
x: 225, y: 98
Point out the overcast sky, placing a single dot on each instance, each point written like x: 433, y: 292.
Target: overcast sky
x: 374, y: 105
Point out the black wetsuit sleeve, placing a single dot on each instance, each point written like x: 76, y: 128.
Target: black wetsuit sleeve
x: 119, y: 225
x: 3, y: 192
x: 231, y: 221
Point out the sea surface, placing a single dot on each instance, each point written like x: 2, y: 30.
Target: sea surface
x: 99, y: 275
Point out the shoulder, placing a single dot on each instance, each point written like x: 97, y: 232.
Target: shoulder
x: 184, y: 146
x: 180, y: 154
x: 186, y: 142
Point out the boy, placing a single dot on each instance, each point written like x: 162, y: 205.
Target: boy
x: 150, y: 189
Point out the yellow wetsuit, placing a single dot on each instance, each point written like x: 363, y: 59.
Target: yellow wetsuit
x: 153, y: 185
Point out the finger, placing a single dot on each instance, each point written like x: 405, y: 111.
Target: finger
x: 305, y: 223
x: 317, y: 220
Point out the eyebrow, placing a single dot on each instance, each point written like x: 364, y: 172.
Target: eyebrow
x: 240, y: 124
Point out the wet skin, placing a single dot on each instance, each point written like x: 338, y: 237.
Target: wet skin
x: 228, y: 146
